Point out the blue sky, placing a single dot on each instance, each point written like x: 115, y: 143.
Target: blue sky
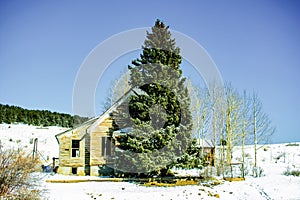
x: 255, y: 45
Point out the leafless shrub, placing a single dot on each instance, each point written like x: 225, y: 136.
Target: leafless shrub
x: 16, y: 175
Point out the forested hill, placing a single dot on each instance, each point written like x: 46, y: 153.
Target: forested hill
x: 14, y: 114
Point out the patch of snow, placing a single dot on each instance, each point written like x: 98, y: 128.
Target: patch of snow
x: 179, y: 172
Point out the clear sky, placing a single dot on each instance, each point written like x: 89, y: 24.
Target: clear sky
x: 255, y: 45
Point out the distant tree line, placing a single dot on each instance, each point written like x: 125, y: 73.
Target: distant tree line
x: 14, y: 114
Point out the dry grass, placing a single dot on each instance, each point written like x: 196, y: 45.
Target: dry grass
x: 234, y: 179
x: 84, y: 179
x: 177, y: 183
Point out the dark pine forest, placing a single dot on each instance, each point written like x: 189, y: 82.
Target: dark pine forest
x: 14, y: 114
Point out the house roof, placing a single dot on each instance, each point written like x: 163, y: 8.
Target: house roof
x: 83, y: 125
x: 107, y: 113
x: 91, y: 124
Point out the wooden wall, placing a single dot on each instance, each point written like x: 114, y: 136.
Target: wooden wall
x: 65, y: 151
x: 90, y: 149
x: 96, y: 154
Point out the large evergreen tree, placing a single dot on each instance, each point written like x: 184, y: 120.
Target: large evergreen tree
x: 158, y: 113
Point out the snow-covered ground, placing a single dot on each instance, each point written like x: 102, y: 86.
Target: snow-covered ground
x: 267, y: 187
x: 274, y: 159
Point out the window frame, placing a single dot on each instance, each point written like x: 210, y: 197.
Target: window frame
x: 75, y: 148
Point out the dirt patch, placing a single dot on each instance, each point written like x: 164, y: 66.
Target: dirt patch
x: 234, y: 179
x: 177, y: 183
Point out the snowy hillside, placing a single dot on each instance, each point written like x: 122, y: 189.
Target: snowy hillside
x: 22, y: 136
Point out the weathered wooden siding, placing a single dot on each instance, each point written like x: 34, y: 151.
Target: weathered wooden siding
x: 100, y: 131
x: 90, y: 149
x: 65, y: 151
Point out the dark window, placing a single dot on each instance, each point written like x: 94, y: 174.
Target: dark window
x: 74, y: 170
x: 75, y: 148
x: 75, y: 144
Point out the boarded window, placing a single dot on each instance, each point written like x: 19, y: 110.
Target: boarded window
x: 75, y: 148
x: 105, y: 147
x: 108, y: 147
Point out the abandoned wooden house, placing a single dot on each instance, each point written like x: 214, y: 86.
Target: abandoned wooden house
x: 85, y: 148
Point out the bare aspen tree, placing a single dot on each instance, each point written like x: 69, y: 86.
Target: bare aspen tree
x: 232, y: 122
x: 262, y: 128
x: 204, y: 116
x: 121, y: 86
x: 200, y: 111
x: 220, y: 128
x: 217, y: 108
x: 245, y: 120
x: 118, y: 88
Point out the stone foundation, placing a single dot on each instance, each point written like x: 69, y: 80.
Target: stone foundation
x: 69, y: 171
x: 94, y: 171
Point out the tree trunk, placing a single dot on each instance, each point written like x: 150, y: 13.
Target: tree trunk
x: 255, y: 138
x: 243, y: 156
x: 215, y: 141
